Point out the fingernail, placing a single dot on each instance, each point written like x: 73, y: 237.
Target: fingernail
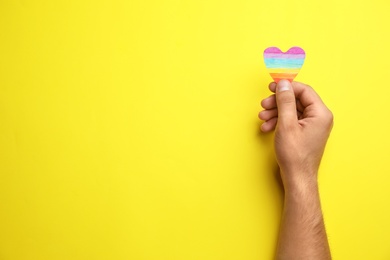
x: 283, y: 85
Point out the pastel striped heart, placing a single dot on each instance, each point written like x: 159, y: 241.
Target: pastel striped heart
x: 284, y: 65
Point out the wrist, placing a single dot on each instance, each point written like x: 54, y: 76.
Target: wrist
x: 301, y: 182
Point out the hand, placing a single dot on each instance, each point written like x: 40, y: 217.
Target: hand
x: 303, y: 124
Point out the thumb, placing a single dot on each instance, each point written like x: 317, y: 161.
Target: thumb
x: 285, y: 99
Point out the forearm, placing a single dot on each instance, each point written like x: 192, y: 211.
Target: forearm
x: 302, y: 232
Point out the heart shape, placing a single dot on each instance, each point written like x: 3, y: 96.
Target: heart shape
x: 284, y: 65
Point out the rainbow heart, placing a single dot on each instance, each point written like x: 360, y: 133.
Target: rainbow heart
x: 284, y: 65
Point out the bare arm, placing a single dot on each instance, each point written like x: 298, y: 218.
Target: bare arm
x: 302, y: 232
x: 303, y: 124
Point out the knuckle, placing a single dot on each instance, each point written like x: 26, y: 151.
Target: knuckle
x: 327, y: 117
x: 331, y: 119
x: 330, y: 115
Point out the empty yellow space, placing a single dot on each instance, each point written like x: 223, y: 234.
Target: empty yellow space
x: 129, y: 129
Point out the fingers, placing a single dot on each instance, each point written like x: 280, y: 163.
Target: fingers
x: 272, y: 86
x: 269, y: 102
x: 300, y: 101
x: 286, y: 103
x: 268, y: 114
x: 269, y: 125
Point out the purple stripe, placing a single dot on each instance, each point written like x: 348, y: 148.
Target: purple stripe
x: 283, y: 56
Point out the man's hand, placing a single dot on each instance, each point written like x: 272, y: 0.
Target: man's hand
x: 303, y: 124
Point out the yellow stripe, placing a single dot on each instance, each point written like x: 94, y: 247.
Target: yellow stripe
x: 292, y: 71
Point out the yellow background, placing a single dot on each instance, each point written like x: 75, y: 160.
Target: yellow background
x: 129, y: 130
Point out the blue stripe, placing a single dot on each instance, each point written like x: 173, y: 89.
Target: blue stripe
x: 284, y: 63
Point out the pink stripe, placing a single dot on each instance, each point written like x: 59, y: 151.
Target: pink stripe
x: 272, y: 50
x: 296, y: 50
x: 293, y: 50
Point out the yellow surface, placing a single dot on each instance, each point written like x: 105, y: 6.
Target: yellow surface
x: 129, y: 130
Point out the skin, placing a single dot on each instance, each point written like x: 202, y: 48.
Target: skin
x: 302, y: 124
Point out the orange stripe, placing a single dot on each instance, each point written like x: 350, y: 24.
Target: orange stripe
x: 277, y: 79
x: 283, y: 75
